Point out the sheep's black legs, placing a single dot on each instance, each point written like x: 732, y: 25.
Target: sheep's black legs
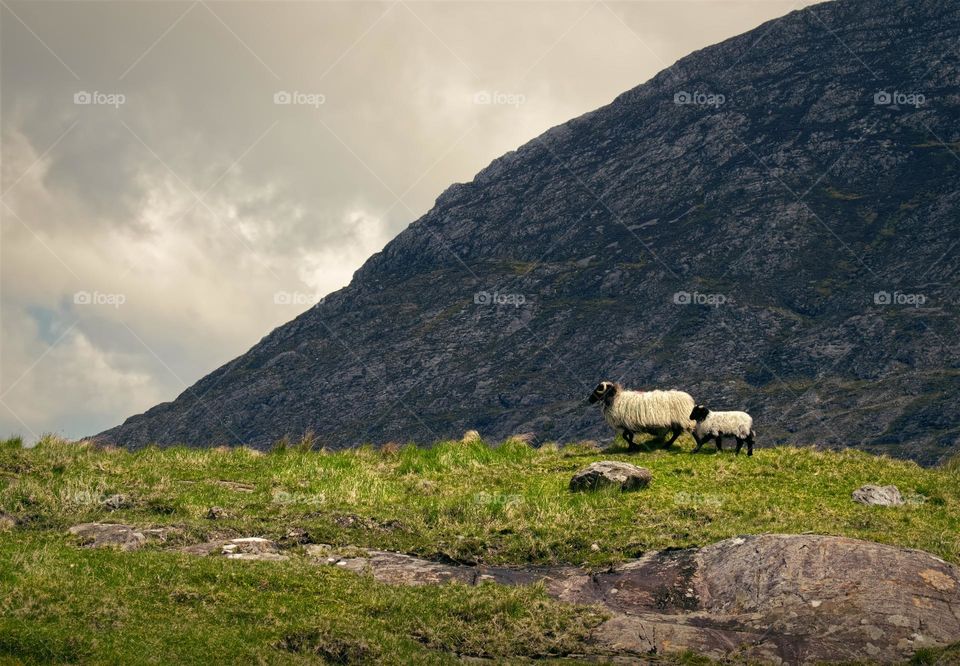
x: 750, y: 444
x: 676, y: 433
x: 698, y: 441
x: 739, y: 445
x: 628, y: 435
x: 719, y: 439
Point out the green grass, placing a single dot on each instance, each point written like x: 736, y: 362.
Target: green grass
x: 69, y: 605
x: 467, y: 502
x: 948, y: 656
x: 475, y: 503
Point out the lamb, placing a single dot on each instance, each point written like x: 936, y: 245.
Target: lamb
x: 715, y: 425
x: 631, y: 412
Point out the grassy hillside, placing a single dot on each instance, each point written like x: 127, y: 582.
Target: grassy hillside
x: 466, y: 502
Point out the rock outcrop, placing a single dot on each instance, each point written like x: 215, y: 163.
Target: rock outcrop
x: 775, y: 598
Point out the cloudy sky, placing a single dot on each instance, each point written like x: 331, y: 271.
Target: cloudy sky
x: 179, y: 178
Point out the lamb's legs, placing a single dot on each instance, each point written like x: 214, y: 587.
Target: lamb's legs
x: 750, y: 444
x: 740, y: 445
x: 628, y: 435
x: 719, y: 439
x: 676, y: 433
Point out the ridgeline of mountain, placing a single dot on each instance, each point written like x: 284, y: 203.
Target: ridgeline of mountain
x: 770, y: 224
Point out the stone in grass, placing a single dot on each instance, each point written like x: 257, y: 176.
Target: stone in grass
x: 878, y: 495
x: 216, y: 513
x: 471, y: 437
x: 610, y: 473
x: 108, y: 535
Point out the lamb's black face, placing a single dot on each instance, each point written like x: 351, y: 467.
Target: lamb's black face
x: 699, y: 413
x: 603, y: 390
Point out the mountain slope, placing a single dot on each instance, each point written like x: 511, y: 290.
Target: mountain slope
x: 742, y: 246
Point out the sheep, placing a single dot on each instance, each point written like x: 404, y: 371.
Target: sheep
x: 715, y: 425
x: 631, y: 412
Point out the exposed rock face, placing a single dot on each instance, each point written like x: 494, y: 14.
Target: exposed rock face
x: 878, y: 495
x: 837, y: 598
x: 775, y: 598
x: 784, y: 250
x: 610, y: 473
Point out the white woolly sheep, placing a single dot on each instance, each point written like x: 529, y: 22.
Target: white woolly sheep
x: 630, y: 412
x: 716, y: 425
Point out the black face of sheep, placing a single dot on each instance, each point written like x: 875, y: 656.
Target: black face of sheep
x: 604, y: 391
x: 699, y: 413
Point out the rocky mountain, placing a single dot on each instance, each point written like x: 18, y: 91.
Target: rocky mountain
x: 771, y: 224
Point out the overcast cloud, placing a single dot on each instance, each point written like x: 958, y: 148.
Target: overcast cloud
x: 163, y: 228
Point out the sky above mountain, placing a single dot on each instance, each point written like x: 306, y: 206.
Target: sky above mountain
x: 180, y: 178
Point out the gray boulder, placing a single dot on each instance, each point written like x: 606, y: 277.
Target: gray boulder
x: 878, y: 495
x: 610, y: 473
